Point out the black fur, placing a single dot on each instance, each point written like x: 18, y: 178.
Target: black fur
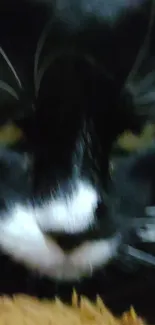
x: 84, y: 85
x: 103, y: 30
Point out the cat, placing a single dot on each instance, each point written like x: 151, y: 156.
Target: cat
x: 63, y: 230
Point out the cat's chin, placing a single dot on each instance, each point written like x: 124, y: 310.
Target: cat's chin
x: 83, y: 261
x: 67, y: 273
x: 23, y: 240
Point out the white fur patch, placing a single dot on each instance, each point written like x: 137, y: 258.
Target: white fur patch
x: 86, y: 258
x: 71, y: 213
x: 22, y: 239
x: 93, y: 254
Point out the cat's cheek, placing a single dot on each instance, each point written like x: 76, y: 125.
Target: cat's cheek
x: 94, y: 254
x: 21, y: 238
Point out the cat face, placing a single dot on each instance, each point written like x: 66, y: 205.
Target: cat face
x: 63, y: 229
x: 56, y: 220
x: 60, y: 226
x: 54, y: 214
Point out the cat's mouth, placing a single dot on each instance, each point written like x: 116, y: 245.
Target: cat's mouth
x: 26, y: 241
x: 22, y: 239
x: 83, y: 260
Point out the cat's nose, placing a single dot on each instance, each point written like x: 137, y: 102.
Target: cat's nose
x: 67, y: 242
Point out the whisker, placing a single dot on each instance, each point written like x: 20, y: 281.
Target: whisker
x: 9, y: 89
x: 39, y: 49
x: 139, y: 255
x: 143, y: 50
x: 46, y: 63
x: 10, y: 66
x: 41, y: 72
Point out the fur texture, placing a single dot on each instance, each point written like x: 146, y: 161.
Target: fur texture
x: 133, y: 202
x: 74, y: 86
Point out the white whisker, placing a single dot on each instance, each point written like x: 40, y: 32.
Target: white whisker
x: 8, y: 88
x: 44, y: 67
x: 10, y: 66
x: 40, y: 45
x: 40, y: 74
x: 139, y: 255
x: 143, y: 50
